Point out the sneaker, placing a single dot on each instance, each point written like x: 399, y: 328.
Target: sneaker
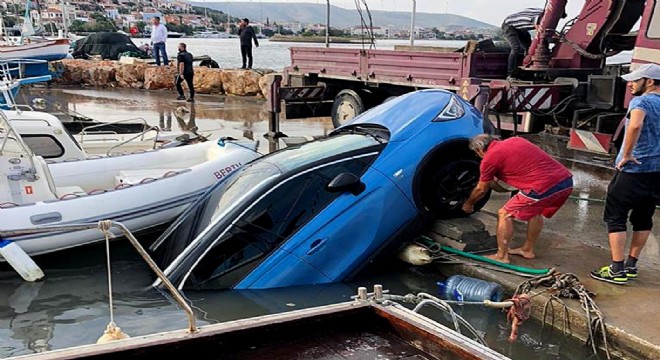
x: 606, y: 274
x: 191, y: 100
x: 631, y: 273
x: 181, y: 98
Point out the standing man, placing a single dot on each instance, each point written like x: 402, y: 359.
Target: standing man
x: 544, y: 184
x: 158, y: 39
x: 635, y: 187
x: 247, y: 35
x: 185, y: 72
x: 516, y: 29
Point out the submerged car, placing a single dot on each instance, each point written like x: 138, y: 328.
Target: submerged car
x: 319, y: 211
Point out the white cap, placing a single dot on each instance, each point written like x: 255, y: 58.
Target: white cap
x: 649, y: 71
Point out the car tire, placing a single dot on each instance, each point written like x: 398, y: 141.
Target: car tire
x: 347, y: 105
x: 450, y: 185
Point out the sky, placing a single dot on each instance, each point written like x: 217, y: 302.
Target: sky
x: 489, y: 11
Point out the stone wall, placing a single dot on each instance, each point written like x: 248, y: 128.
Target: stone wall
x: 143, y: 76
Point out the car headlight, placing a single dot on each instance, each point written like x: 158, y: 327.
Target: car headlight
x: 454, y: 110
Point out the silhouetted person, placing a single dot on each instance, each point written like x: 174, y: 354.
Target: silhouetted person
x: 185, y: 72
x: 247, y: 35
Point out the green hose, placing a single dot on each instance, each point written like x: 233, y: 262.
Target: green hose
x: 522, y: 269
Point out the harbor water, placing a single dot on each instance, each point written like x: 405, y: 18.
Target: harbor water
x: 70, y: 306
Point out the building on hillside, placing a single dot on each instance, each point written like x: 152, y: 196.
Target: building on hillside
x: 111, y: 11
x: 52, y: 15
x: 150, y: 13
x: 377, y: 31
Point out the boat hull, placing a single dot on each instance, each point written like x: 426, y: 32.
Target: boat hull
x: 49, y: 50
x: 141, y: 202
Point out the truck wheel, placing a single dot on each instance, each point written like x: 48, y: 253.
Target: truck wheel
x: 450, y: 185
x: 347, y: 105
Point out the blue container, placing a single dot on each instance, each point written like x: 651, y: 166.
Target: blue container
x: 463, y: 288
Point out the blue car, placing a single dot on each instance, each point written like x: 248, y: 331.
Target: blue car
x: 320, y: 211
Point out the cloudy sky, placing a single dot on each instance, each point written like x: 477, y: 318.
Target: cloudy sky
x: 489, y: 11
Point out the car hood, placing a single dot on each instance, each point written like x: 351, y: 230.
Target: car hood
x: 405, y: 115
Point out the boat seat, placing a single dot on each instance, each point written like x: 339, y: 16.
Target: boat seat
x: 69, y: 190
x: 134, y: 177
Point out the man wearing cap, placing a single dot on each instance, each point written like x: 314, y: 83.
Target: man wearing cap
x: 635, y: 188
x: 246, y: 33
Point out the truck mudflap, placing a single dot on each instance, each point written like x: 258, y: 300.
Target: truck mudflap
x: 305, y: 101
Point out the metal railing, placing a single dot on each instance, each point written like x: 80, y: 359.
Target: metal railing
x: 141, y: 134
x: 106, y: 225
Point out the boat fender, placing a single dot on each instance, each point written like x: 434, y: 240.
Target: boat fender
x: 112, y: 333
x: 416, y: 255
x: 20, y: 261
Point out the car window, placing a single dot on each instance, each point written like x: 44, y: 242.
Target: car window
x: 270, y: 221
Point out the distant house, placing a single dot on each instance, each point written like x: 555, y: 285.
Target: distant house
x: 111, y: 11
x: 149, y: 14
x: 377, y: 31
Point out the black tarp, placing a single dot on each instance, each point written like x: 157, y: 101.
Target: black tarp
x: 107, y: 44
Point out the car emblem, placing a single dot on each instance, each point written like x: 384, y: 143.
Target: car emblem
x: 398, y: 174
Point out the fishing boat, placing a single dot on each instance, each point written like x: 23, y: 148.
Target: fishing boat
x: 144, y: 189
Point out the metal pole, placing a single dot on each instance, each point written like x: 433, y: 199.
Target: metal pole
x: 412, y: 23
x: 327, y: 24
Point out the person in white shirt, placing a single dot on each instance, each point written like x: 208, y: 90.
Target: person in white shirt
x: 158, y: 39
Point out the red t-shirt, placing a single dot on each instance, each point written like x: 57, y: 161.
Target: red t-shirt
x: 523, y: 165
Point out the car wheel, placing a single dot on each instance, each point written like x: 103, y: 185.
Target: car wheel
x: 348, y: 104
x: 450, y: 186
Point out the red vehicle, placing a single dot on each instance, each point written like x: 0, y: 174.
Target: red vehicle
x: 564, y: 82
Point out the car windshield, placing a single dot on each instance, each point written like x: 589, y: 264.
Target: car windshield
x: 226, y: 196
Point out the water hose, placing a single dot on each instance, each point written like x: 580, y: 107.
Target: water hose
x: 522, y: 269
x: 577, y: 198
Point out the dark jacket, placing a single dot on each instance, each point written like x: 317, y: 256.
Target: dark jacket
x: 247, y: 35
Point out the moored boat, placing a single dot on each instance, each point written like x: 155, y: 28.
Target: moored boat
x: 143, y: 190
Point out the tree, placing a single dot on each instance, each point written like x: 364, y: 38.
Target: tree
x: 268, y: 32
x: 77, y: 26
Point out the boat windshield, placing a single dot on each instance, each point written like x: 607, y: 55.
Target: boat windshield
x: 221, y: 201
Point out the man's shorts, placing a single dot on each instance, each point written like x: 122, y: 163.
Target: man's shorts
x: 526, y: 206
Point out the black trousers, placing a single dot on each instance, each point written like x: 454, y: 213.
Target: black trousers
x: 519, y: 41
x: 246, y: 53
x: 636, y: 194
x: 189, y: 81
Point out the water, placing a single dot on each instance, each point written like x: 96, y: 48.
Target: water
x: 70, y: 307
x: 272, y: 55
x: 276, y: 55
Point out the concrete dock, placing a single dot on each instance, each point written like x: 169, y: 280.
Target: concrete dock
x: 575, y: 241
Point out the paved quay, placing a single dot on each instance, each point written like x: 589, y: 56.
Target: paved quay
x: 575, y: 241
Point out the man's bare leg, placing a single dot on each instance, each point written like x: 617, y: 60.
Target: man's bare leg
x: 638, y: 241
x: 618, y: 245
x: 504, y: 236
x: 534, y: 227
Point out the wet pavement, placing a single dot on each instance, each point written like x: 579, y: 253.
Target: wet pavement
x: 575, y: 241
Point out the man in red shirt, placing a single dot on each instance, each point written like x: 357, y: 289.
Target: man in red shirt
x: 544, y: 185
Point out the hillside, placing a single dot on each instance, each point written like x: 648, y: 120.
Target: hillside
x: 339, y: 17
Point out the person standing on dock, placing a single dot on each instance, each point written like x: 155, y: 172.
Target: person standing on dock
x: 185, y: 72
x: 544, y: 185
x: 158, y: 39
x: 247, y: 35
x: 634, y: 190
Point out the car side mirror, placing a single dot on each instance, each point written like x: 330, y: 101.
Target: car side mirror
x: 346, y: 182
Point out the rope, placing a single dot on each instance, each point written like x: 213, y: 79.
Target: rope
x: 112, y: 331
x: 568, y: 286
x: 104, y: 226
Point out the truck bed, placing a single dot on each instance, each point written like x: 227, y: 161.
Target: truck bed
x: 420, y: 69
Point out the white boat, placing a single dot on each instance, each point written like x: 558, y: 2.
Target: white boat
x: 141, y: 190
x: 36, y: 49
x: 47, y: 136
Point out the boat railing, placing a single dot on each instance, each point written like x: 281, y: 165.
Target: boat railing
x: 105, y: 226
x: 86, y: 129
x: 11, y: 133
x: 138, y: 136
x: 8, y: 66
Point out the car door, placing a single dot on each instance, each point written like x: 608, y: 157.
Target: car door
x: 283, y: 268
